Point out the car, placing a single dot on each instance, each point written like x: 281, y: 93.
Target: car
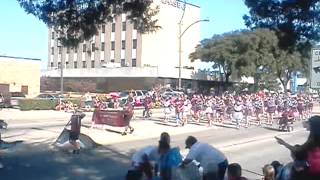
x: 15, y: 97
x: 1, y: 101
x: 50, y: 97
x: 138, y: 95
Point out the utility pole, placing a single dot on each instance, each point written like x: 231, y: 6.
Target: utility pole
x: 61, y: 77
x: 180, y: 45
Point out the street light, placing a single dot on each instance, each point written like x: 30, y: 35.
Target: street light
x: 180, y: 36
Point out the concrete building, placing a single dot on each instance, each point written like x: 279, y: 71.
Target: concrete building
x: 119, y: 57
x: 20, y: 74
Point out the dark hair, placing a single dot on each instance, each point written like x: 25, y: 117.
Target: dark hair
x: 313, y: 140
x: 163, y: 145
x: 165, y: 137
x: 234, y: 170
x: 277, y: 167
x: 191, y: 140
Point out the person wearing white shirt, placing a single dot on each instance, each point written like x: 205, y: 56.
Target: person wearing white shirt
x: 142, y: 162
x: 208, y: 157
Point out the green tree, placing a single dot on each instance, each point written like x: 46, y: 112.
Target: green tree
x: 250, y: 53
x: 78, y: 20
x: 294, y: 21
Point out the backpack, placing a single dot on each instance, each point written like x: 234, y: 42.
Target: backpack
x: 313, y: 160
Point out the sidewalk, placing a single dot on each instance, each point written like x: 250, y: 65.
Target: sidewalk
x: 35, y: 115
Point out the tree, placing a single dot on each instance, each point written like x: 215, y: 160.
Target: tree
x: 294, y: 21
x: 220, y: 50
x: 250, y: 53
x: 268, y: 61
x: 78, y: 20
x: 284, y: 64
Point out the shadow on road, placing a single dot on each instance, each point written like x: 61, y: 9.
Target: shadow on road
x: 40, y: 161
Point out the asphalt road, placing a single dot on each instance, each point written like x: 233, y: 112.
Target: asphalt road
x: 252, y: 148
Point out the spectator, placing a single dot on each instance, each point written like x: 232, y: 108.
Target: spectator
x: 170, y: 158
x: 207, y: 156
x: 268, y: 172
x: 235, y: 172
x: 141, y: 163
x: 307, y: 156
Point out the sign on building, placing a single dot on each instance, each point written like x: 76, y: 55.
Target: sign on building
x: 315, y: 68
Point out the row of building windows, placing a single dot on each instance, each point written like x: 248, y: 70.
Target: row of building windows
x: 84, y: 63
x: 93, y: 47
x: 103, y: 28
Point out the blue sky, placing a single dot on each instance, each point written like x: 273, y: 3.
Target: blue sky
x: 24, y: 35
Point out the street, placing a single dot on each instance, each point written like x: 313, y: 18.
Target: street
x: 37, y: 159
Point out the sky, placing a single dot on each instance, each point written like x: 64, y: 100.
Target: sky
x: 24, y: 35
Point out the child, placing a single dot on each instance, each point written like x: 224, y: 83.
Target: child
x: 234, y: 172
x: 268, y: 172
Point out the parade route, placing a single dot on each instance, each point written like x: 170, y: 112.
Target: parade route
x: 251, y: 147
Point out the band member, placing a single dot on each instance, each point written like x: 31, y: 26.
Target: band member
x: 209, y: 111
x: 178, y: 111
x: 247, y: 110
x: 147, y: 103
x: 258, y: 108
x: 128, y: 114
x: 271, y: 109
x: 186, y: 111
x: 237, y: 114
x: 167, y: 109
x: 301, y: 107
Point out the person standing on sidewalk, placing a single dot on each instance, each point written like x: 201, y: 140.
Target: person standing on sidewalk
x: 208, y: 157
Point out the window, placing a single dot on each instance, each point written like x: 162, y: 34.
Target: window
x: 59, y: 64
x: 52, y: 35
x: 123, y: 44
x: 52, y: 50
x: 103, y: 28
x: 84, y: 64
x: 112, y: 60
x: 124, y: 26
x: 102, y: 61
x: 134, y: 44
x: 51, y: 64
x: 75, y: 65
x: 102, y: 46
x: 60, y: 49
x: 92, y: 64
x: 93, y: 47
x: 113, y: 28
x: 112, y: 45
x: 84, y: 48
x: 67, y: 64
x: 68, y: 50
x: 123, y: 62
x: 139, y: 93
x: 134, y: 63
x: 135, y: 25
x: 76, y: 49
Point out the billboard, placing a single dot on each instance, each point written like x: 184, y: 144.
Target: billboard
x: 315, y: 68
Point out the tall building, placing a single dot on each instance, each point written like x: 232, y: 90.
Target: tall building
x: 121, y: 57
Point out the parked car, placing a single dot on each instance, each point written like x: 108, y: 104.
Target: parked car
x: 50, y: 97
x: 1, y: 101
x: 15, y: 97
x: 138, y: 96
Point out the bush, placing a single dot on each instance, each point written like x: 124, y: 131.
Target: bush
x: 37, y: 104
x: 42, y: 104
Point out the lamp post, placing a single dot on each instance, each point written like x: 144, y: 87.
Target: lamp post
x: 180, y: 45
x: 61, y: 77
